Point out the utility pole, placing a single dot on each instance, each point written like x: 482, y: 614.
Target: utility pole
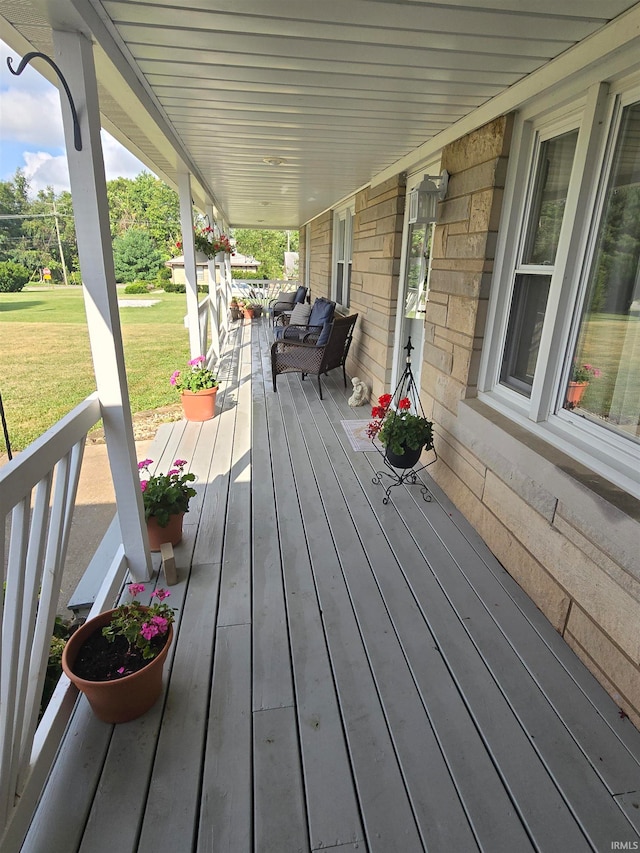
x: 64, y: 266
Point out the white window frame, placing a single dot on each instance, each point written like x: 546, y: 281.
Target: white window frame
x: 600, y: 449
x: 342, y: 254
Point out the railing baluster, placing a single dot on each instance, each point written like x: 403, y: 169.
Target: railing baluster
x: 11, y: 649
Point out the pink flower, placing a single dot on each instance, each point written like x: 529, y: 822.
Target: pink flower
x: 161, y: 624
x: 136, y: 588
x: 180, y: 463
x: 143, y: 485
x: 144, y: 464
x: 149, y: 631
x: 195, y: 361
x: 173, y: 472
x: 174, y: 377
x: 161, y: 594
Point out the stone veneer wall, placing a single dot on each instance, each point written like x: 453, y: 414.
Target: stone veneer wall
x: 375, y: 268
x: 319, y: 283
x: 568, y: 537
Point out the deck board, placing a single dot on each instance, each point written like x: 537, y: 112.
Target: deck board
x: 345, y: 675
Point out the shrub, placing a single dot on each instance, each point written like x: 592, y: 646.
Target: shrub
x: 172, y: 287
x: 164, y: 274
x: 137, y: 287
x: 135, y: 256
x: 13, y: 277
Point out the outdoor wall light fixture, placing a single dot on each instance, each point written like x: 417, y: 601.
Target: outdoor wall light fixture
x: 423, y: 200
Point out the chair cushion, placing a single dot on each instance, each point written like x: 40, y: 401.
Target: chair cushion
x: 324, y: 334
x: 286, y: 296
x: 301, y: 294
x: 300, y: 314
x: 321, y: 312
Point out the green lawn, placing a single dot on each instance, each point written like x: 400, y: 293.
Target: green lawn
x: 45, y: 361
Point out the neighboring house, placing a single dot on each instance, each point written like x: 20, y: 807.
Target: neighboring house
x: 245, y: 263
x: 533, y: 109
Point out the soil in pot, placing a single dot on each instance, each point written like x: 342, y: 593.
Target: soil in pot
x: 100, y: 660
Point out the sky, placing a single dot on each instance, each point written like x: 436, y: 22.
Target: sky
x: 31, y: 135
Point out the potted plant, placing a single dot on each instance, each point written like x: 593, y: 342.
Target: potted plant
x: 236, y: 313
x: 402, y: 433
x: 581, y: 375
x: 166, y: 499
x: 248, y: 311
x: 198, y: 387
x: 206, y: 242
x: 116, y: 659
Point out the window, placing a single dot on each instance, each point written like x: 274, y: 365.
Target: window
x: 607, y: 353
x: 562, y: 353
x: 342, y: 251
x: 420, y: 236
x: 533, y: 274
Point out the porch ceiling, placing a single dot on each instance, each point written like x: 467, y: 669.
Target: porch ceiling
x: 339, y: 91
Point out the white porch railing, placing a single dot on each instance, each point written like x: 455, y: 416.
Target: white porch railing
x: 262, y: 291
x: 38, y: 490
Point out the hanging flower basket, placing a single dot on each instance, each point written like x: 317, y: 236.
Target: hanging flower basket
x: 405, y: 460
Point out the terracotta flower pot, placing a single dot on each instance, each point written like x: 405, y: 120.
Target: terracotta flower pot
x: 199, y: 405
x: 171, y: 533
x: 248, y: 313
x: 125, y: 698
x: 405, y: 460
x: 575, y: 392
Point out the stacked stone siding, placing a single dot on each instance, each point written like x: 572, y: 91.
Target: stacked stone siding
x: 377, y: 246
x: 566, y: 537
x: 320, y: 263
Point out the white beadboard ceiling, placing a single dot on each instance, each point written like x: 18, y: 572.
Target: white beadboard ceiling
x: 338, y: 90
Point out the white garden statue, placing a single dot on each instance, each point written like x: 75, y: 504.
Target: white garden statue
x: 360, y: 393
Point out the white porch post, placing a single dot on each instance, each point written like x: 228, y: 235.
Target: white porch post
x: 74, y: 55
x: 189, y: 251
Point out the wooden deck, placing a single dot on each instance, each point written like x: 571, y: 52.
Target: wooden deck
x: 346, y: 675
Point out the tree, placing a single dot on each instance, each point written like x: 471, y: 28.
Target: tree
x: 145, y: 202
x: 136, y: 257
x: 13, y: 202
x: 268, y: 247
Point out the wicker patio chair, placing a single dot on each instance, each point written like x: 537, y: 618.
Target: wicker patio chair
x: 295, y: 356
x: 286, y: 302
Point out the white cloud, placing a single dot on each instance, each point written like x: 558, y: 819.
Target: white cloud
x: 43, y: 170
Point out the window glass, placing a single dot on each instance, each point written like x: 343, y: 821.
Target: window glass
x: 417, y: 268
x: 606, y: 360
x: 524, y: 331
x: 549, y: 198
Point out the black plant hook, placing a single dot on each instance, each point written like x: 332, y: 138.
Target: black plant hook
x: 77, y: 138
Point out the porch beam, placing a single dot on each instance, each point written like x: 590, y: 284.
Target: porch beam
x: 74, y: 55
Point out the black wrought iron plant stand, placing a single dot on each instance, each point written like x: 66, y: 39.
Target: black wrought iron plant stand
x: 409, y: 476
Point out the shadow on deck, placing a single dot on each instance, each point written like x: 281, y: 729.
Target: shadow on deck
x: 346, y: 675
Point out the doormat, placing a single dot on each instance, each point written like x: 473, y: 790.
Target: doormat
x: 357, y: 434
